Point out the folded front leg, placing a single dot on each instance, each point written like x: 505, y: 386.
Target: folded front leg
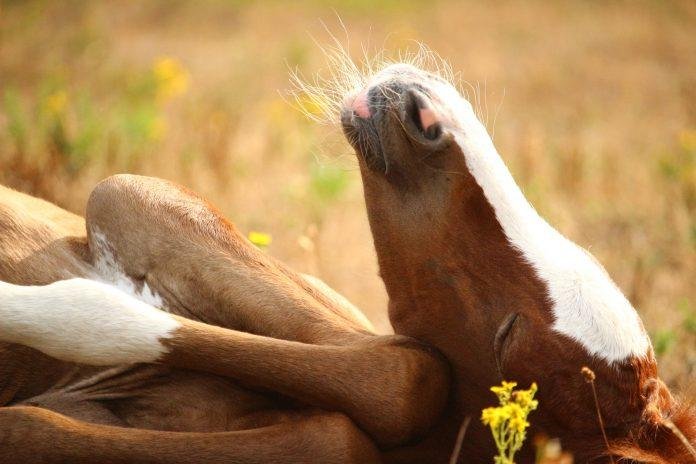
x: 162, y: 235
x: 35, y: 435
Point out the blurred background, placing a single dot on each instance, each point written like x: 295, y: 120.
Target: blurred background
x: 592, y: 105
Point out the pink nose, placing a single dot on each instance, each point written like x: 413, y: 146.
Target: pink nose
x: 360, y: 106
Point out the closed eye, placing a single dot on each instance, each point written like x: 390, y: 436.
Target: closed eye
x: 501, y: 337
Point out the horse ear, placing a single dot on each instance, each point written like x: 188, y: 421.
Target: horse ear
x: 683, y: 426
x: 671, y: 439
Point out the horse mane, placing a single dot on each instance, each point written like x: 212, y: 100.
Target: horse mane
x: 666, y: 433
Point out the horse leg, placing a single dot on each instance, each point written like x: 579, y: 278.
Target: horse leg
x: 35, y: 435
x: 162, y: 235
x: 383, y: 383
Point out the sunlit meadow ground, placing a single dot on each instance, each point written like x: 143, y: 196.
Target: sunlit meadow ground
x: 593, y: 106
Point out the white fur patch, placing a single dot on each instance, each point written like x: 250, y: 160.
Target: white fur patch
x: 587, y: 305
x: 83, y: 321
x: 109, y: 271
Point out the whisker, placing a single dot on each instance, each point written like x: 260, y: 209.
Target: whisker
x: 497, y: 110
x: 320, y: 97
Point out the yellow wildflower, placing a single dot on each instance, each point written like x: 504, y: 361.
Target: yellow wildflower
x: 504, y: 391
x: 171, y: 78
x: 508, y: 422
x: 525, y: 398
x: 687, y: 139
x: 493, y: 416
x: 260, y: 239
x: 55, y: 104
x: 514, y: 410
x: 518, y: 424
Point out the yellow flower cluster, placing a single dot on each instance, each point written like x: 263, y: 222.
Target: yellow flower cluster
x: 55, y: 103
x: 171, y: 78
x: 508, y: 421
x: 512, y: 413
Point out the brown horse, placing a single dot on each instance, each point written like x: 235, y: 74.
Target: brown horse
x: 251, y: 362
x: 473, y: 270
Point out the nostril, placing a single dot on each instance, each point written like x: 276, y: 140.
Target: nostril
x: 427, y: 118
x: 423, y: 115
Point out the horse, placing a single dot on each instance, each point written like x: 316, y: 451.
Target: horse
x: 153, y: 331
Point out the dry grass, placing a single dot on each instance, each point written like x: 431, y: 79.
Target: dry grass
x: 593, y: 106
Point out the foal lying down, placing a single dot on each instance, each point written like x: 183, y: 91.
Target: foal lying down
x: 153, y: 332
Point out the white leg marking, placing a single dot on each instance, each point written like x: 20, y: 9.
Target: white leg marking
x: 83, y: 321
x: 109, y: 271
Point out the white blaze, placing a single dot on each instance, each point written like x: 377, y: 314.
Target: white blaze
x: 587, y: 305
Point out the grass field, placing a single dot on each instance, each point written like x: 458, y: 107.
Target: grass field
x: 593, y: 106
